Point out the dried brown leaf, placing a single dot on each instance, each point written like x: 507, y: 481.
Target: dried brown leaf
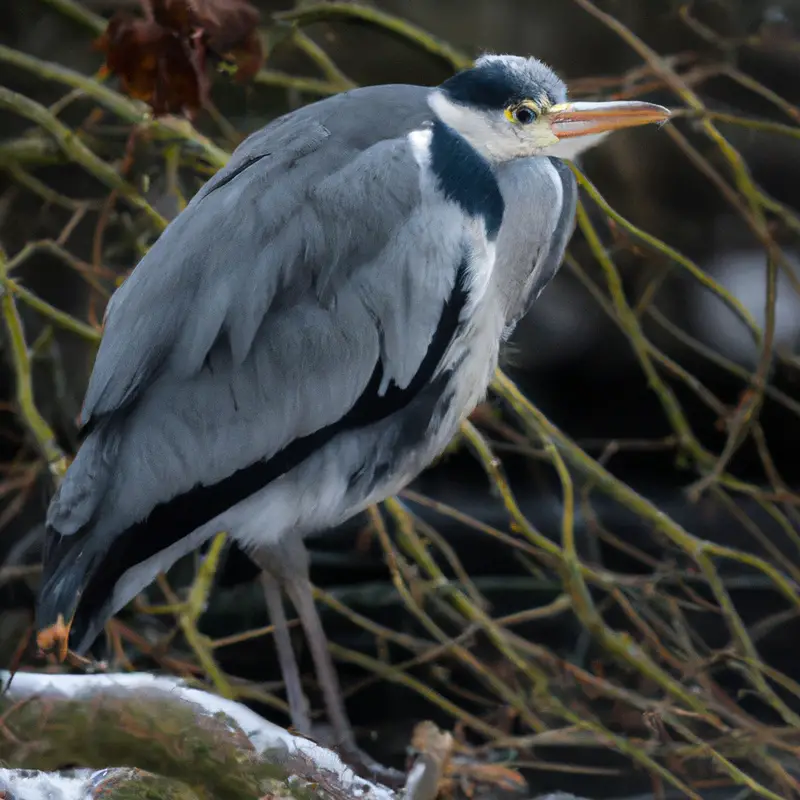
x: 161, y: 58
x: 156, y: 65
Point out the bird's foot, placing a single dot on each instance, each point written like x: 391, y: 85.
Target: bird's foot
x: 367, y: 767
x: 360, y: 762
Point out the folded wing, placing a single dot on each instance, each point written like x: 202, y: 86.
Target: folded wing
x: 306, y: 282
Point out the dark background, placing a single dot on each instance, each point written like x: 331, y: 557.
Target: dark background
x: 571, y: 359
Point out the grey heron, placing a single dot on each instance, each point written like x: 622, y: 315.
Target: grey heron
x: 308, y: 334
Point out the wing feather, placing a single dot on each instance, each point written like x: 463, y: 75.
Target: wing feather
x: 260, y: 316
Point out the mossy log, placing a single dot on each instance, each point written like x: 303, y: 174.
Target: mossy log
x: 150, y: 742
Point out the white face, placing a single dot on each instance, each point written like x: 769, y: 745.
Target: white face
x: 539, y: 128
x: 495, y: 135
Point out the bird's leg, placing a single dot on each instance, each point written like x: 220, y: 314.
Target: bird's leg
x: 298, y: 587
x: 299, y: 590
x: 298, y: 703
x: 286, y: 563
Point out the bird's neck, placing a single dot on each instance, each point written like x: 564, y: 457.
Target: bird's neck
x: 463, y: 122
x: 465, y: 176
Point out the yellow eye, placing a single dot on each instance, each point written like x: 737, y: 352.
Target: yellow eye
x: 524, y: 115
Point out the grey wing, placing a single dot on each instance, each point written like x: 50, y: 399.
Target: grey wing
x: 540, y: 199
x: 259, y: 318
x: 251, y: 230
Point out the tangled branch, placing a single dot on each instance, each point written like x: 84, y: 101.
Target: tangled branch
x: 671, y: 717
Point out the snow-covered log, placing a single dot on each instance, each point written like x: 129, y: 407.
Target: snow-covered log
x: 155, y: 733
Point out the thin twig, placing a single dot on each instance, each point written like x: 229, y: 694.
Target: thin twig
x: 334, y: 11
x: 37, y: 426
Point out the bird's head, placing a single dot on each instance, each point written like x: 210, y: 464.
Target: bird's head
x: 513, y: 107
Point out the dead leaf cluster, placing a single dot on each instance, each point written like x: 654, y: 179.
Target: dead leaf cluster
x: 163, y: 57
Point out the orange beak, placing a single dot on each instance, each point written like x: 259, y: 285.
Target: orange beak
x: 580, y: 119
x: 56, y: 637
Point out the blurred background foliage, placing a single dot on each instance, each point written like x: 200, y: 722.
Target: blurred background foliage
x: 596, y: 588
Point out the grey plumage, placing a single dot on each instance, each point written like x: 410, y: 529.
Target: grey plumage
x: 231, y: 384
x: 533, y: 240
x: 307, y: 335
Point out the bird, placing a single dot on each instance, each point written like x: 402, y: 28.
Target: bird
x: 307, y: 335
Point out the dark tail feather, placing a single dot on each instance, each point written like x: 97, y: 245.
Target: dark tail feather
x: 69, y: 564
x: 71, y: 556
